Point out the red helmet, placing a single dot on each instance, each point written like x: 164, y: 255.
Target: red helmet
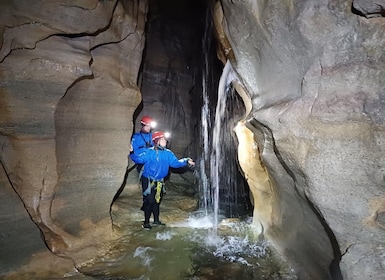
x: 146, y: 120
x: 159, y: 134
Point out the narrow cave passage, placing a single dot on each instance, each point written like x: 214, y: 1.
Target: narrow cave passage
x: 180, y: 73
x: 180, y: 62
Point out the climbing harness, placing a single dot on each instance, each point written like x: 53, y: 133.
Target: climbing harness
x: 158, y: 189
x: 157, y: 185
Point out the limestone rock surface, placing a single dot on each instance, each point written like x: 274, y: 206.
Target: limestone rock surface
x: 68, y: 90
x: 313, y: 71
x: 370, y: 8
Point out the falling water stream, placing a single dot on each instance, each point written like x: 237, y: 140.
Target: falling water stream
x: 217, y: 159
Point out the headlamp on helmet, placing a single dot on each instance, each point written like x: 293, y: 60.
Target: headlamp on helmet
x: 146, y: 120
x: 157, y: 135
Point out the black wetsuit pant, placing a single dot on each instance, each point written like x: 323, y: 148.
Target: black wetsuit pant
x: 150, y: 206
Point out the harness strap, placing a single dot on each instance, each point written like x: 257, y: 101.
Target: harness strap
x: 158, y: 191
x: 157, y: 185
x: 147, y: 143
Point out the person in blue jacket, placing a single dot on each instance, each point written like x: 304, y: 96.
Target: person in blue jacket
x: 157, y: 161
x: 142, y: 140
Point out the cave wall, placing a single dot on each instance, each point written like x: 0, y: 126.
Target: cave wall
x: 171, y: 80
x: 68, y: 92
x: 312, y: 70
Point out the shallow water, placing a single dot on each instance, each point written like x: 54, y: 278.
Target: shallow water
x: 191, y: 250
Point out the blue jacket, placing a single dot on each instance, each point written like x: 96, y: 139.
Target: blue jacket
x: 157, y: 162
x: 140, y: 142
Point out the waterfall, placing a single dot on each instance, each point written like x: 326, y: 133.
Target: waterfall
x: 205, y: 115
x: 217, y: 158
x: 222, y: 188
x: 205, y: 124
x: 213, y: 151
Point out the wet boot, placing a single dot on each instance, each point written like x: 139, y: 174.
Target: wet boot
x: 147, y: 226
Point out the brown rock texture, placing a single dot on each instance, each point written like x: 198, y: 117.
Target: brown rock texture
x: 68, y: 90
x: 313, y: 74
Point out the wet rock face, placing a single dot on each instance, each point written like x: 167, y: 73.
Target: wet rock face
x: 68, y: 92
x: 313, y: 72
x: 370, y: 8
x: 172, y: 76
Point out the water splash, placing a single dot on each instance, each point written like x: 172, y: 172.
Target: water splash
x: 235, y: 242
x: 143, y: 253
x: 235, y: 249
x: 197, y: 220
x: 165, y: 235
x: 190, y: 253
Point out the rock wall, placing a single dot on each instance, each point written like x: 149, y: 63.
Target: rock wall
x: 68, y: 92
x: 312, y: 70
x: 171, y: 83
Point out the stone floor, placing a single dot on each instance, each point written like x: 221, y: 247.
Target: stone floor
x: 126, y: 213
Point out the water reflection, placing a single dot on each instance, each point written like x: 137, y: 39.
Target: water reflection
x: 190, y: 250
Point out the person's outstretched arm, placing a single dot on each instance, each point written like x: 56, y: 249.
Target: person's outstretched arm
x: 178, y: 163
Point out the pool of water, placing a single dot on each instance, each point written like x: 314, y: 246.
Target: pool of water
x: 192, y: 250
